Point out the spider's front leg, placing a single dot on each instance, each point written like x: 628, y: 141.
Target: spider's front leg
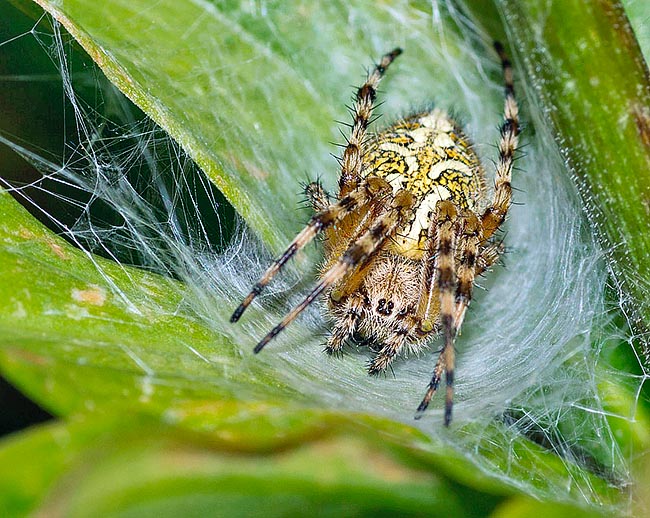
x: 369, y: 189
x: 454, y: 305
x: 356, y: 255
x: 444, y: 280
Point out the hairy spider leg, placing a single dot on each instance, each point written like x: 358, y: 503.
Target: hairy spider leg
x: 349, y: 180
x: 347, y: 288
x: 347, y: 291
x: 468, y: 246
x: 446, y: 220
x: 356, y: 254
x: 367, y: 190
x: 317, y: 197
x: 446, y: 282
x: 427, y: 311
x: 491, y: 220
x: 495, y: 213
x: 344, y: 327
x: 391, y: 346
x: 487, y: 256
x: 352, y: 159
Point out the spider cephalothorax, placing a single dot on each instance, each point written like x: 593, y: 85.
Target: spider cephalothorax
x: 407, y: 235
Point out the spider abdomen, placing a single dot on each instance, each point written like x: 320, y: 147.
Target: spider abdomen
x: 428, y: 155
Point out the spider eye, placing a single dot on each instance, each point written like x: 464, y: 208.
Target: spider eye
x: 385, y: 308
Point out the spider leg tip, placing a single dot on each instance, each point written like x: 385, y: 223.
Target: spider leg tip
x: 260, y: 346
x: 447, y: 416
x: 236, y: 315
x: 419, y: 412
x: 372, y: 371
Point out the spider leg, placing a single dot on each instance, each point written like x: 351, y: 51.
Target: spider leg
x: 369, y: 189
x: 353, y: 279
x: 345, y: 292
x: 495, y: 214
x: 471, y: 263
x: 487, y: 256
x: 356, y: 254
x: 346, y: 324
x: 427, y: 311
x: 351, y: 161
x: 468, y: 247
x: 318, y: 197
x: 433, y: 385
x: 441, y: 229
x: 445, y: 281
x: 390, y: 349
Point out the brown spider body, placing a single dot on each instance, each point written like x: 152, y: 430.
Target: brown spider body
x: 407, y: 234
x: 429, y: 156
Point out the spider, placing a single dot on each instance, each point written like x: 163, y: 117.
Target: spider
x: 407, y: 234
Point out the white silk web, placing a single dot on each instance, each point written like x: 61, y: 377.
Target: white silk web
x: 535, y: 355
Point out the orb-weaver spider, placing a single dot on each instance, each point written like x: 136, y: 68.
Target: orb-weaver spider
x: 407, y: 234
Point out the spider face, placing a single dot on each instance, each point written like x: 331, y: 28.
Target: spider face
x: 407, y: 234
x: 385, y: 302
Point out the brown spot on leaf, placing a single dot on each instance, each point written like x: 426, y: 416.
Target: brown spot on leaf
x: 642, y: 119
x: 94, y: 295
x: 25, y: 233
x: 57, y: 249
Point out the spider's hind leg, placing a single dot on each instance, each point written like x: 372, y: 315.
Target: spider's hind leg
x: 495, y: 214
x: 362, y: 111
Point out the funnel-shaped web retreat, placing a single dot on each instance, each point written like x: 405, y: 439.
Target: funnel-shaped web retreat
x: 532, y: 351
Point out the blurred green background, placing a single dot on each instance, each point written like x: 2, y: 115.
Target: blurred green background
x: 34, y: 113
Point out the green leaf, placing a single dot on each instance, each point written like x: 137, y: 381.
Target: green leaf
x: 592, y: 88
x: 246, y: 97
x: 364, y: 467
x: 93, y: 330
x: 523, y: 507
